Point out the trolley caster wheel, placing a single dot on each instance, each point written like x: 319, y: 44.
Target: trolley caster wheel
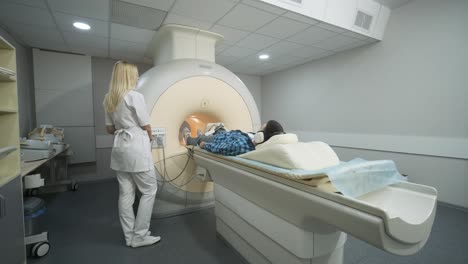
x: 74, y: 187
x: 40, y: 249
x: 32, y: 192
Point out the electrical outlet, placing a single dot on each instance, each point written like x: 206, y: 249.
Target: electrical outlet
x: 159, y: 137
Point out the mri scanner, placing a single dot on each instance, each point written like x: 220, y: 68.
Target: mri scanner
x: 265, y: 217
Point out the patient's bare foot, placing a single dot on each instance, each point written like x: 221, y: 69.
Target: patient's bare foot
x: 185, y: 134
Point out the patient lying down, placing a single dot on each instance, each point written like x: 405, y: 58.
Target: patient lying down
x: 312, y: 163
x: 234, y: 142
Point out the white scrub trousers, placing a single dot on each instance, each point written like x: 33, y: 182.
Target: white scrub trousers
x: 147, y: 185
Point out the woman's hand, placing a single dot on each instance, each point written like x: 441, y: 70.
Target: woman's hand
x: 202, y: 144
x: 110, y: 129
x: 147, y: 128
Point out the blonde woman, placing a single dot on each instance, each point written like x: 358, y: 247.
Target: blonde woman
x: 127, y: 118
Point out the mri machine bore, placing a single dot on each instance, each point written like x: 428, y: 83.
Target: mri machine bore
x: 265, y: 217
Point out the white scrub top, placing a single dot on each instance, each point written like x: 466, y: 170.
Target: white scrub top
x: 132, y: 148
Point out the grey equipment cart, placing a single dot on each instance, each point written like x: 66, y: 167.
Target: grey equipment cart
x: 36, y: 240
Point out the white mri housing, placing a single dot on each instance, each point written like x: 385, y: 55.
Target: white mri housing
x: 266, y: 218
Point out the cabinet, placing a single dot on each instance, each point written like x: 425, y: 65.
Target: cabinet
x: 11, y: 193
x: 12, y: 248
x: 9, y: 126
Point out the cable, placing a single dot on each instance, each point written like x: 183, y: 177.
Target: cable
x: 165, y: 167
x: 165, y: 174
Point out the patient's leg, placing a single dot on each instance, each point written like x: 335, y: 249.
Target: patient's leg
x: 193, y: 141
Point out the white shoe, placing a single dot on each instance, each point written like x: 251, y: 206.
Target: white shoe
x: 145, y: 241
x: 129, y: 243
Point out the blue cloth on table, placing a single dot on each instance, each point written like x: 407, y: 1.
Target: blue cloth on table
x: 353, y: 178
x: 231, y: 143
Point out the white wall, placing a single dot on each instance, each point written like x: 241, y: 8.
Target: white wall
x: 411, y: 87
x: 64, y: 98
x: 254, y: 84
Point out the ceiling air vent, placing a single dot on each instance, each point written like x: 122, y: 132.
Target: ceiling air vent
x: 363, y: 20
x: 294, y: 2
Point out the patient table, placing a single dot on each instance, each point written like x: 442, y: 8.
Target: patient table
x: 270, y: 218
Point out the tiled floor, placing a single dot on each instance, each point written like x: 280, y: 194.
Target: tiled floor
x: 84, y: 228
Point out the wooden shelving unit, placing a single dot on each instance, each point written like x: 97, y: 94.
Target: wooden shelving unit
x: 9, y: 125
x: 7, y: 75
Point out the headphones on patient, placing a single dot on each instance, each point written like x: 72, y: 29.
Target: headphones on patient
x: 259, y: 137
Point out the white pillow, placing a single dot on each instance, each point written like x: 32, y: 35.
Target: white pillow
x: 278, y: 139
x: 307, y: 156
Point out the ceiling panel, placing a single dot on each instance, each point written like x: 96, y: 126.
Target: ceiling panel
x: 250, y: 27
x: 221, y: 47
x: 352, y: 46
x: 97, y: 9
x: 301, y: 18
x: 355, y: 35
x: 127, y: 47
x: 319, y: 56
x: 312, y: 35
x: 186, y: 21
x: 238, y: 52
x: 257, y: 42
x: 287, y: 60
x: 48, y: 44
x: 136, y: 15
x: 246, y: 18
x: 76, y: 40
x: 251, y: 61
x: 225, y: 60
x: 309, y: 52
x: 127, y: 55
x: 371, y: 40
x: 156, y: 4
x: 206, y: 10
x: 38, y: 37
x: 231, y: 35
x: 264, y: 69
x: 96, y: 52
x: 335, y: 42
x: 265, y: 7
x: 34, y: 3
x: 282, y: 47
x: 330, y: 27
x: 278, y: 68
x: 26, y: 15
x: 123, y: 32
x: 98, y: 27
x: 282, y: 28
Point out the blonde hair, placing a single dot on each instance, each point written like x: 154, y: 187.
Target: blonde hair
x: 124, y: 78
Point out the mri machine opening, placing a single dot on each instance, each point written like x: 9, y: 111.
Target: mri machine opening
x: 196, y: 124
x: 190, y: 97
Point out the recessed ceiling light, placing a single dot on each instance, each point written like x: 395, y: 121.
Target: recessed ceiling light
x: 263, y: 56
x: 81, y: 25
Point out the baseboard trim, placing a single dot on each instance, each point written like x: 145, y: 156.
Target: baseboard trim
x: 456, y: 148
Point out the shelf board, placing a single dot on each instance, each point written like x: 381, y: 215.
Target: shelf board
x: 5, y: 151
x: 7, y: 75
x: 7, y: 110
x: 7, y: 78
x: 5, y: 44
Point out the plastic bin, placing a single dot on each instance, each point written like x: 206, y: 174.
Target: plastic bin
x: 34, y: 210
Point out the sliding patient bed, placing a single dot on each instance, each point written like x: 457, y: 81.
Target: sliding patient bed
x: 272, y: 218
